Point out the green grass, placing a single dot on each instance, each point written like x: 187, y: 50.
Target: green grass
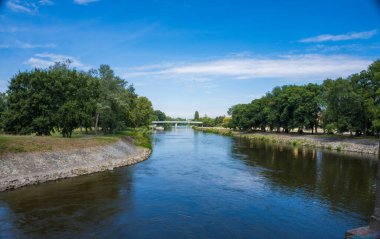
x: 221, y: 131
x: 31, y: 143
x: 140, y: 136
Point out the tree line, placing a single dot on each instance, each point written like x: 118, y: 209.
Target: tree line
x: 342, y: 105
x: 60, y: 98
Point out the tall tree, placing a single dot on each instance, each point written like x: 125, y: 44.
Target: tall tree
x: 159, y: 115
x: 143, y: 111
x: 196, y: 116
x: 344, y: 106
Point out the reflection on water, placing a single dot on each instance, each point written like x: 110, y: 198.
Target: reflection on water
x: 345, y: 180
x: 202, y: 185
x: 65, y: 207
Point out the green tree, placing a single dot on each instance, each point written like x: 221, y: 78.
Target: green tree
x: 143, y: 111
x: 69, y: 118
x: 218, y: 121
x: 117, y: 100
x: 344, y: 110
x: 196, y: 116
x: 159, y: 115
x: 207, y: 121
x: 33, y: 97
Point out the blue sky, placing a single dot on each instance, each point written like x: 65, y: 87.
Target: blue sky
x: 201, y: 55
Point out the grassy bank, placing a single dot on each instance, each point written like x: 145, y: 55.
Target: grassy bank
x: 329, y: 142
x: 139, y: 136
x: 19, y: 144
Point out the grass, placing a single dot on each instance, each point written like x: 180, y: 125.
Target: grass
x: 295, y: 142
x: 140, y: 137
x: 18, y: 144
x: 221, y: 131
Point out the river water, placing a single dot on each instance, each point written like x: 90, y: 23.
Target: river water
x: 200, y: 185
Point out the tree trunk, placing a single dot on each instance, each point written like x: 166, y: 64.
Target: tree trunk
x: 96, y: 124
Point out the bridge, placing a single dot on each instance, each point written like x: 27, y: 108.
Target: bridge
x: 176, y: 122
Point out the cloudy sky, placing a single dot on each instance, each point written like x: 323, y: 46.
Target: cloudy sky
x: 187, y: 55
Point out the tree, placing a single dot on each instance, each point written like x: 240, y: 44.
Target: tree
x: 240, y: 116
x: 159, y: 115
x: 344, y: 106
x: 61, y: 98
x: 117, y: 101
x: 196, y: 116
x: 32, y: 100
x: 226, y: 122
x: 218, y: 121
x: 207, y: 121
x: 143, y: 111
x: 69, y: 118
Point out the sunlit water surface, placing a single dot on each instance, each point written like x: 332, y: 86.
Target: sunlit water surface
x: 199, y: 185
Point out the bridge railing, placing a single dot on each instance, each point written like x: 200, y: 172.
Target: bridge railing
x: 176, y: 122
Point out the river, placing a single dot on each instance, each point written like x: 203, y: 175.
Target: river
x: 201, y: 185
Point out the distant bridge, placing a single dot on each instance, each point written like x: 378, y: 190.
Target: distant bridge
x: 176, y: 122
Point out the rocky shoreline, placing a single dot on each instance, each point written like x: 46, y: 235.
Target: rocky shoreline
x: 347, y: 144
x: 22, y: 169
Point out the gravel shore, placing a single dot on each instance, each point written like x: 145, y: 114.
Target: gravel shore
x: 21, y: 169
x: 333, y: 142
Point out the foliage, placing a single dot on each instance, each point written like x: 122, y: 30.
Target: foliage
x: 142, y: 111
x: 141, y: 137
x: 196, y: 116
x: 158, y: 115
x: 341, y: 105
x: 62, y: 99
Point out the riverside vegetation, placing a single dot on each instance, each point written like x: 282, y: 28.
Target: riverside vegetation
x: 350, y: 105
x: 92, y: 108
x: 43, y: 101
x: 102, y: 120
x: 330, y: 142
x: 344, y: 105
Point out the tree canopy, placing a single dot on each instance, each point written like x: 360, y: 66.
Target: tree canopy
x: 62, y: 99
x: 196, y: 115
x: 342, y: 105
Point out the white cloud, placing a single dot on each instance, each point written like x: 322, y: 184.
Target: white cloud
x: 44, y: 60
x: 27, y: 6
x: 46, y: 2
x: 24, y: 7
x: 342, y: 37
x: 84, y: 2
x: 32, y: 46
x: 290, y: 67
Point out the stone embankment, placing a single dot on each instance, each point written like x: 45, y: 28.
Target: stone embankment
x: 330, y: 142
x: 21, y: 169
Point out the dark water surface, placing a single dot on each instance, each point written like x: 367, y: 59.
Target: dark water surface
x: 199, y: 185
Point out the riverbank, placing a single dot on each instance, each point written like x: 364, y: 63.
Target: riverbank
x: 71, y: 159
x: 330, y: 142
